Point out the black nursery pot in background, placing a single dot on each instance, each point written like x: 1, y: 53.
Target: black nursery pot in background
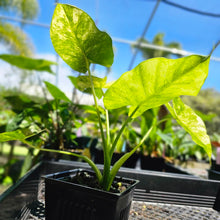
x: 152, y: 163
x: 66, y: 201
x: 159, y: 164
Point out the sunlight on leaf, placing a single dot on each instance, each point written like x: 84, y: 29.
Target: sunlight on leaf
x: 192, y: 123
x: 108, y: 85
x: 77, y: 40
x: 157, y: 81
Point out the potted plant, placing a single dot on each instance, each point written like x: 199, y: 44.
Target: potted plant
x: 152, y: 83
x: 214, y: 171
x: 151, y: 153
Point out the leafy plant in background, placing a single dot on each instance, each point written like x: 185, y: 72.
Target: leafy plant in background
x: 151, y: 84
x: 151, y: 146
x: 11, y: 167
x: 58, y: 118
x: 168, y: 140
x: 183, y: 148
x: 158, y: 40
x: 23, y: 114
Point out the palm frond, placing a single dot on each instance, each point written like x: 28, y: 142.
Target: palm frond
x: 15, y: 39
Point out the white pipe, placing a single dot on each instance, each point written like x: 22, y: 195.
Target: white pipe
x: 156, y: 47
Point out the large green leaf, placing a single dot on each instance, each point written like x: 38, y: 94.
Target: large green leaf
x: 192, y: 123
x: 157, y: 81
x: 28, y: 63
x: 56, y: 92
x: 77, y: 40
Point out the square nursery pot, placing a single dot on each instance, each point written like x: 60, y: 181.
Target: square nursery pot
x: 65, y: 200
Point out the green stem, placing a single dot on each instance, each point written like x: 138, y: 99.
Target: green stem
x: 97, y: 109
x: 107, y: 157
x: 121, y: 131
x: 107, y: 162
x: 121, y: 161
x: 108, y: 138
x: 162, y: 120
x: 169, y: 107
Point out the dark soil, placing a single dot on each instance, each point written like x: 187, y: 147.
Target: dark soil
x: 89, y: 179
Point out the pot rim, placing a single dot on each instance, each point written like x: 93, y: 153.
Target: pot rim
x: 58, y: 177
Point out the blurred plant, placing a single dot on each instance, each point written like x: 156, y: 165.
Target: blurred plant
x: 158, y: 40
x: 160, y: 138
x: 17, y: 110
x: 183, y: 148
x: 13, y: 36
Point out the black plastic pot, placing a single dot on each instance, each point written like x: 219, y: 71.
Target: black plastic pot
x: 67, y: 201
x: 152, y: 163
x: 215, y: 166
x: 159, y: 164
x: 170, y: 168
x: 213, y: 174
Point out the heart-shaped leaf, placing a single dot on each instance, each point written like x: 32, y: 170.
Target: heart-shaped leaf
x: 157, y: 81
x: 77, y: 40
x: 56, y: 92
x: 192, y: 123
x: 28, y: 63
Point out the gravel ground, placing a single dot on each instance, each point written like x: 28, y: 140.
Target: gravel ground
x: 144, y: 211
x: 156, y: 211
x: 196, y: 168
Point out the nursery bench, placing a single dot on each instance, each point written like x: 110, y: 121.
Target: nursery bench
x: 157, y: 196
